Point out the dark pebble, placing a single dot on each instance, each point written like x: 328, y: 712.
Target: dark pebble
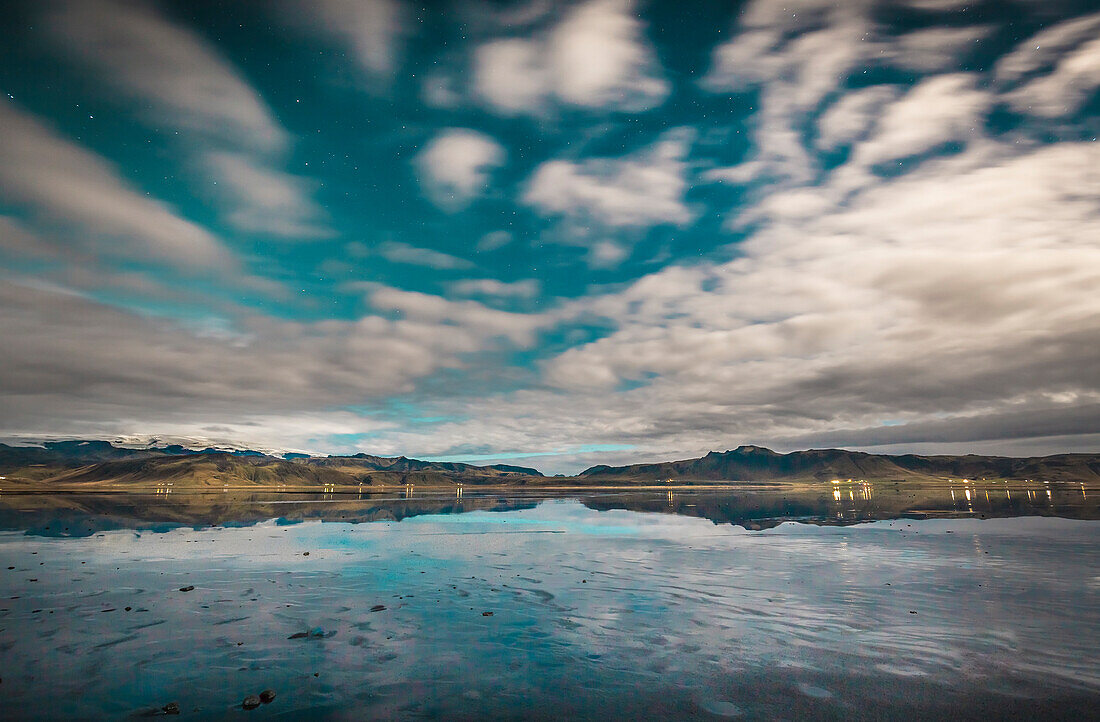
x: 128, y: 608
x: 171, y: 708
x: 305, y: 554
x: 187, y: 588
x: 486, y: 614
x: 378, y: 607
x: 267, y: 695
x: 251, y: 702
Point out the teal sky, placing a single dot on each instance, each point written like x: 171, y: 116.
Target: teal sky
x: 573, y: 233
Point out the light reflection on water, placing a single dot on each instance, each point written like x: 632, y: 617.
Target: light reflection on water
x: 595, y: 614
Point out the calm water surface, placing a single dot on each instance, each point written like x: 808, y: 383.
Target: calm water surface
x: 575, y: 606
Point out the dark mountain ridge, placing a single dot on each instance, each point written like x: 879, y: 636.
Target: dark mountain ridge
x: 756, y: 463
x: 82, y: 463
x: 76, y: 464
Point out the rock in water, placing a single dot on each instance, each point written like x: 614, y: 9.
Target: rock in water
x: 171, y: 708
x: 251, y: 702
x: 267, y: 695
x: 188, y: 588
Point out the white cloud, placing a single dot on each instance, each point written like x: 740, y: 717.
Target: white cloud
x: 933, y: 49
x: 397, y: 252
x: 62, y: 183
x: 939, y: 109
x: 252, y: 384
x: 493, y: 240
x: 455, y: 166
x: 957, y: 295
x: 177, y: 75
x: 636, y: 191
x: 509, y: 76
x: 263, y: 200
x: 959, y: 289
x: 596, y: 56
x: 1075, y: 78
x: 181, y: 82
x: 527, y: 288
x: 478, y: 321
x: 800, y: 55
x: 607, y: 254
x: 372, y: 28
x: 851, y: 117
x: 1045, y: 48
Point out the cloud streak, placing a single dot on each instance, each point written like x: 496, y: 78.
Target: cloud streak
x: 64, y: 184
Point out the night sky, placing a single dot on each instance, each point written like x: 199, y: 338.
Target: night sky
x: 561, y: 233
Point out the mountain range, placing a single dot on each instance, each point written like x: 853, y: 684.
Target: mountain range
x: 75, y: 465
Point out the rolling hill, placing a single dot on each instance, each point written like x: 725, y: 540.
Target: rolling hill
x: 80, y: 465
x: 755, y: 463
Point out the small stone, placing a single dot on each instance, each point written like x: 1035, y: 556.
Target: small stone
x: 378, y: 607
x: 188, y: 588
x: 267, y: 695
x: 305, y: 554
x: 171, y: 708
x: 128, y: 608
x: 251, y: 702
x: 486, y: 614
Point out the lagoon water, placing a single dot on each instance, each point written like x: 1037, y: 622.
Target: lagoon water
x: 549, y: 606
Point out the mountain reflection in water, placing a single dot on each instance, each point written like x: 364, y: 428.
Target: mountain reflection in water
x: 581, y: 605
x: 753, y: 507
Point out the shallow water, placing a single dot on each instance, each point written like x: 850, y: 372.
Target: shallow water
x: 595, y: 614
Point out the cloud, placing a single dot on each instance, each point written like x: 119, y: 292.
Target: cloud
x: 596, y: 56
x: 397, y: 252
x: 932, y: 49
x: 643, y: 189
x: 455, y: 166
x: 479, y: 321
x: 958, y: 290
x: 19, y: 241
x: 939, y: 109
x: 527, y: 288
x: 178, y: 77
x: 181, y: 82
x: 373, y: 29
x: 266, y: 379
x: 262, y: 200
x: 1065, y: 90
x: 493, y: 240
x: 800, y: 55
x: 851, y: 117
x: 1044, y: 49
x: 62, y: 183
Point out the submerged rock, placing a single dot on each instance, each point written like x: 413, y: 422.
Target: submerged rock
x: 251, y: 702
x: 171, y: 708
x: 188, y: 588
x: 267, y: 695
x: 315, y: 633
